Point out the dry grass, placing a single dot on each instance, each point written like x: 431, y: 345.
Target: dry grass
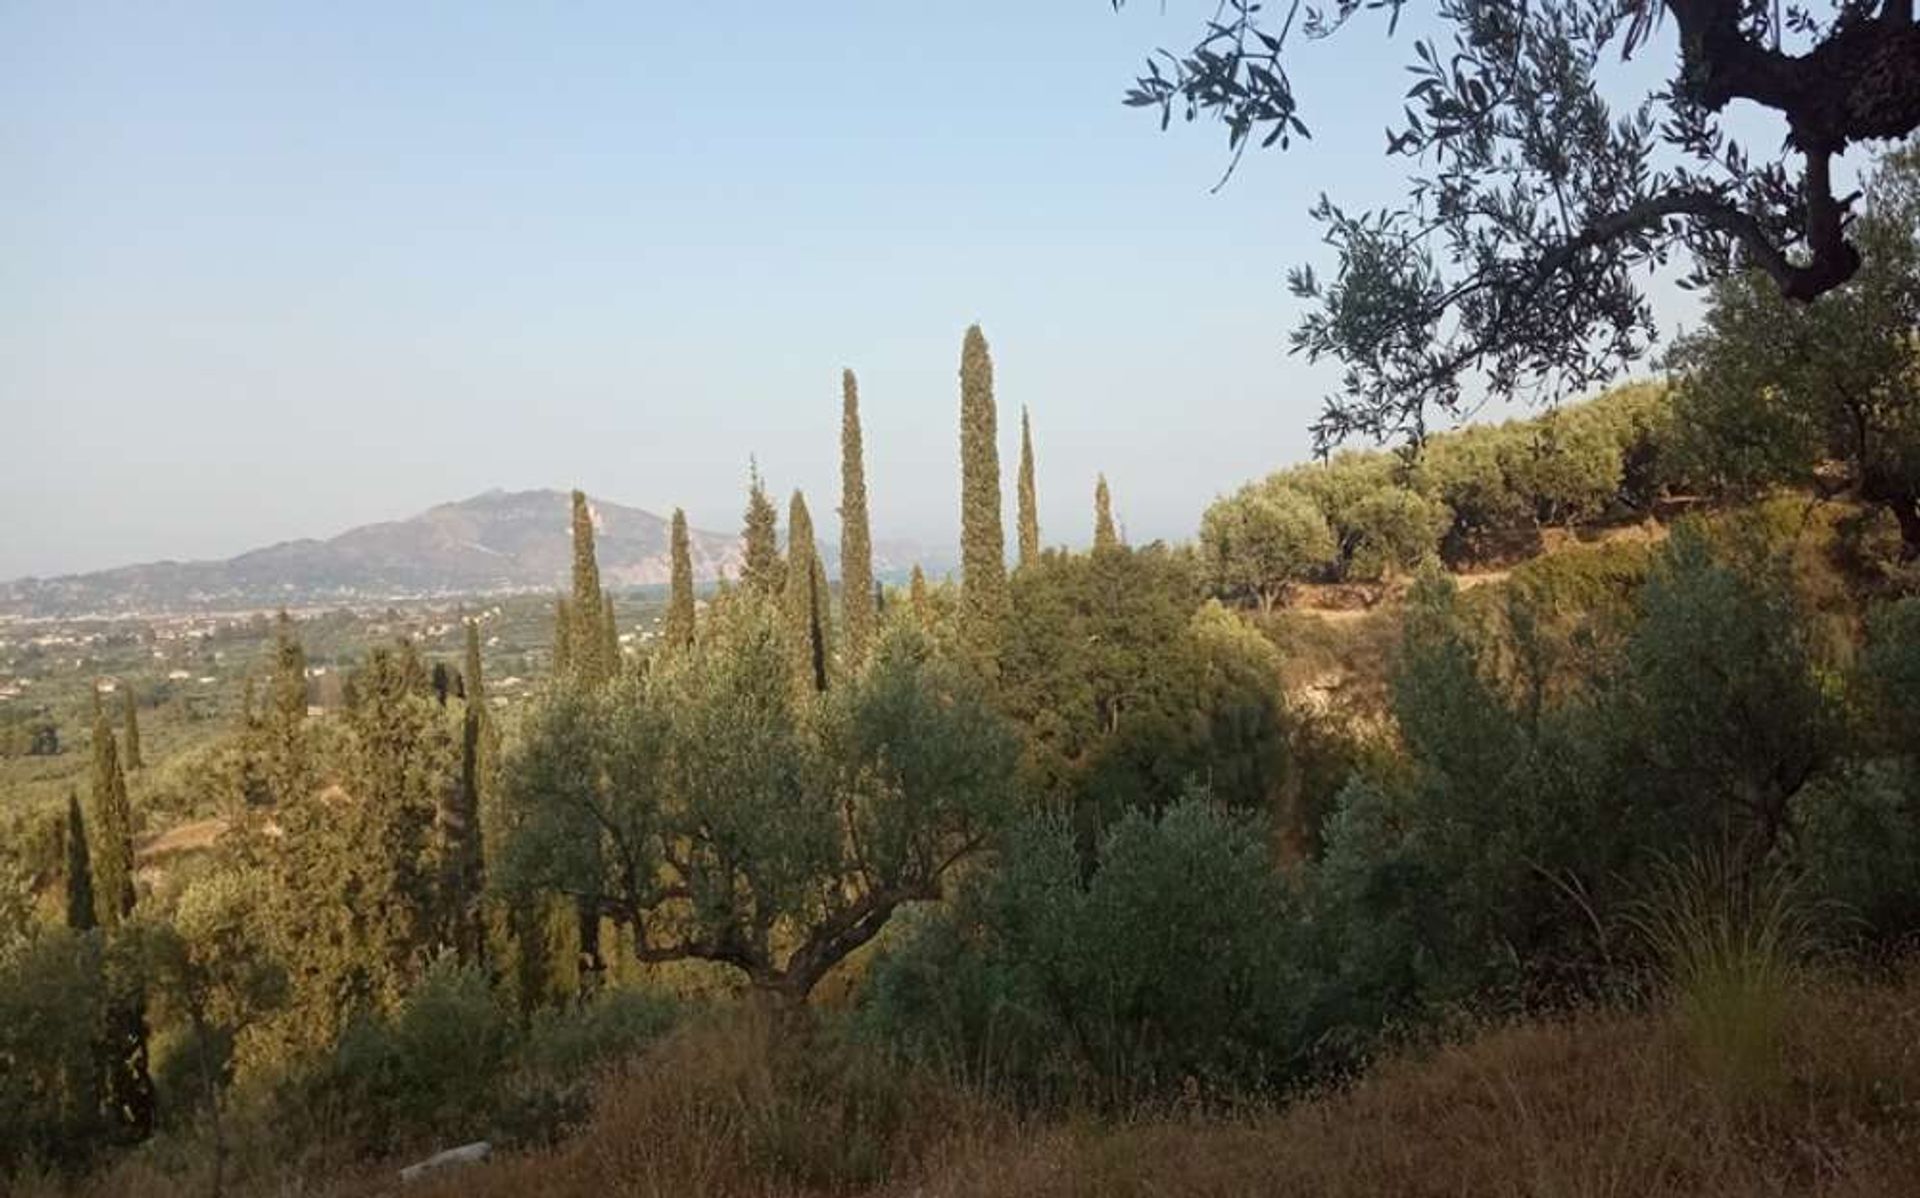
x: 1586, y: 1107
x: 1590, y: 1107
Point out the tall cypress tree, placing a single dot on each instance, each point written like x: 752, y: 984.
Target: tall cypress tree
x: 562, y: 637
x: 679, y: 629
x: 1104, y: 536
x: 586, y: 642
x: 283, y: 724
x: 805, y: 601
x: 129, y: 1084
x: 761, y: 571
x: 111, y: 853
x: 856, y: 538
x: 609, y: 634
x: 132, y: 734
x: 983, y: 543
x: 1029, y: 502
x: 917, y: 597
x: 473, y: 686
x: 80, y: 910
x: 460, y: 829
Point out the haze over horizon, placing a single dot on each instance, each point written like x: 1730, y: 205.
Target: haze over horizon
x: 275, y: 274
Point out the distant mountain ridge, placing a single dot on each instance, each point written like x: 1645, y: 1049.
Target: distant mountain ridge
x: 495, y: 542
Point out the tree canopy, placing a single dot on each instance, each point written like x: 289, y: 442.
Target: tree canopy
x: 1537, y: 207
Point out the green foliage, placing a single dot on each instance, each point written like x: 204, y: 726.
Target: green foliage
x: 1095, y: 643
x: 1163, y: 973
x: 809, y: 628
x: 352, y: 896
x: 211, y: 975
x: 130, y: 729
x: 1259, y: 541
x: 53, y: 1011
x: 1890, y: 677
x: 1726, y: 718
x: 566, y: 1044
x: 111, y: 849
x: 983, y: 545
x: 717, y: 818
x: 1770, y: 390
x: 1105, y: 536
x: 1857, y: 836
x: 1730, y: 940
x: 856, y: 538
x: 284, y: 766
x: 588, y: 627
x: 1568, y: 468
x: 429, y: 1070
x: 1467, y: 471
x: 761, y: 570
x: 80, y: 900
x: 1029, y: 502
x: 1390, y: 532
x: 1379, y: 526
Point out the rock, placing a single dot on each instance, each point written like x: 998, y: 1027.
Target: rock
x: 466, y: 1154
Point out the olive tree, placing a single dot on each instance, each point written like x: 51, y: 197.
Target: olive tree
x: 1261, y: 540
x: 1767, y: 391
x: 717, y: 818
x: 1540, y: 203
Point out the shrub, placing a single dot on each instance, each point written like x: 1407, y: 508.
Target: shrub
x: 1165, y: 973
x: 1857, y: 836
x: 53, y: 994
x: 426, y: 1071
x: 1729, y: 939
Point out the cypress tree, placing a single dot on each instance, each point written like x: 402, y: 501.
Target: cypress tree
x: 1104, y: 536
x: 761, y: 571
x: 123, y: 1049
x: 856, y: 538
x: 284, y: 758
x: 679, y: 629
x: 473, y: 687
x: 562, y: 638
x: 134, y: 760
x: 917, y: 597
x: 983, y: 544
x: 111, y: 853
x: 610, y: 634
x: 587, y: 654
x: 1028, y: 501
x: 805, y: 601
x: 80, y: 911
x: 822, y: 623
x: 462, y: 830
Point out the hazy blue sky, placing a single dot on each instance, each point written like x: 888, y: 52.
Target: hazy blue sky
x: 269, y: 271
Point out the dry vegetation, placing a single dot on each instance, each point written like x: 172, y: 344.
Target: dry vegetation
x: 1601, y: 1103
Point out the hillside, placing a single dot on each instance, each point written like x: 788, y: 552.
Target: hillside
x: 493, y: 543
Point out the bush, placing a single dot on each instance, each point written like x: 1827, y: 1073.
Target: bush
x: 1857, y: 835
x: 53, y: 995
x: 425, y: 1072
x: 1166, y: 973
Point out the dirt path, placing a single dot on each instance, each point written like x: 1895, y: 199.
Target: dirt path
x: 183, y: 838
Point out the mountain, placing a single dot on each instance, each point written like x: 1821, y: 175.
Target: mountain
x: 497, y: 542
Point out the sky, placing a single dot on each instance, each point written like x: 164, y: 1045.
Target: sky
x: 273, y: 270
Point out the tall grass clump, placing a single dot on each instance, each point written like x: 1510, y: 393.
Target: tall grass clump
x: 1729, y: 937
